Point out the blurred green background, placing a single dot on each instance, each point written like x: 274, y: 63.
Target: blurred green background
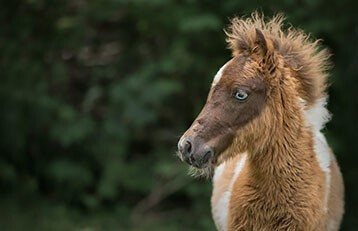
x: 94, y: 95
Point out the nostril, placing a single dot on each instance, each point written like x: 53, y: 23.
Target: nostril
x: 187, y: 148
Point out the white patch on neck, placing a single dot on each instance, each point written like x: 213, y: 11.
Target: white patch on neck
x: 218, y: 75
x: 221, y: 208
x: 332, y: 225
x: 219, y: 171
x: 317, y: 116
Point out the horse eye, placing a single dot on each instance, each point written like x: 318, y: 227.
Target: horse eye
x: 241, y: 95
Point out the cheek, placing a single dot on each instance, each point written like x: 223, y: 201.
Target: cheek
x: 247, y: 134
x: 246, y: 112
x: 222, y: 141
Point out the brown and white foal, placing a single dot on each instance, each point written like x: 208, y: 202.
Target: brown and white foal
x: 260, y: 130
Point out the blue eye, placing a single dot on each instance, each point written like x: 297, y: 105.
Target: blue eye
x: 241, y: 95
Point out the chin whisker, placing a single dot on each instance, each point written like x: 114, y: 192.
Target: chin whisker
x: 179, y: 155
x: 206, y: 173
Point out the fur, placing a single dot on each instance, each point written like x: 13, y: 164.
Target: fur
x: 289, y: 179
x: 307, y: 60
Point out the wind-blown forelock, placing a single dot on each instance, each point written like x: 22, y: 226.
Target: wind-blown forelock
x: 307, y: 61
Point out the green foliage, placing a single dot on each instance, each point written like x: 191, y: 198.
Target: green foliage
x: 94, y: 95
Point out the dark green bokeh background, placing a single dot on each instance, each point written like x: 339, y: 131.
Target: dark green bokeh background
x: 94, y: 95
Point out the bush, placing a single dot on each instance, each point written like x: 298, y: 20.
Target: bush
x: 94, y: 95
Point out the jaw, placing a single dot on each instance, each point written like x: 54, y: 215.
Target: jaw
x: 237, y: 147
x: 207, y: 171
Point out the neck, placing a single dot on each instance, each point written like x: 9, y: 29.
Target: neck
x: 286, y: 159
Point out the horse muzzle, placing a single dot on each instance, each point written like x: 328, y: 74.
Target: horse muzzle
x: 195, y: 152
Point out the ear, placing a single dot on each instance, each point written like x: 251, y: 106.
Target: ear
x: 263, y: 52
x: 260, y: 43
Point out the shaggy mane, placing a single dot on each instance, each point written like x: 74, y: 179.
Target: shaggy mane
x: 307, y: 61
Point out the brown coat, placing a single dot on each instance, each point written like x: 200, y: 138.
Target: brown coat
x: 260, y: 131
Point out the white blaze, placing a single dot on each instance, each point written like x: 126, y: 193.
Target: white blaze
x: 219, y: 75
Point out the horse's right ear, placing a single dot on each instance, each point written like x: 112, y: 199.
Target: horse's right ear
x: 263, y: 51
x: 260, y: 44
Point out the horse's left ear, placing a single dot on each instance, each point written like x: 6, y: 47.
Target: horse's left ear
x: 263, y: 51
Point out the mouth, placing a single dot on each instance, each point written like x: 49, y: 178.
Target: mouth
x: 205, y: 162
x: 204, y: 170
x: 199, y: 160
x: 200, y: 153
x: 200, y: 167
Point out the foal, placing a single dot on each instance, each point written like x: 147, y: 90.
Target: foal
x: 260, y: 132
